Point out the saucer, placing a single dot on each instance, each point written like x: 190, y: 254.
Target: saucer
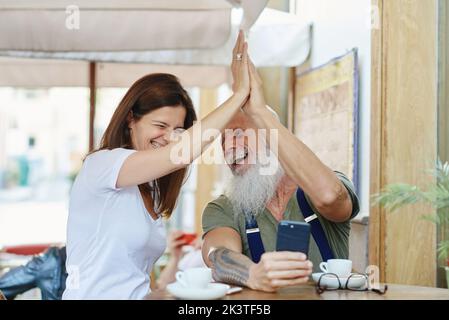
x: 211, y: 292
x: 356, y: 281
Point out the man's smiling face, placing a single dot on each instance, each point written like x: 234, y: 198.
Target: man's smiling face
x: 239, y: 144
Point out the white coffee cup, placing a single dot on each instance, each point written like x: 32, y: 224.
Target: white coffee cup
x: 194, y: 277
x: 340, y: 267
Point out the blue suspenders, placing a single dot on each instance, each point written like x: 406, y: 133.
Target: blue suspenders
x: 315, y: 226
x: 255, y: 241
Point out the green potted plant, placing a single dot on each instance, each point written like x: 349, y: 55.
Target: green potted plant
x: 396, y: 196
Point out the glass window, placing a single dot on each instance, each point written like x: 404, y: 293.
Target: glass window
x: 43, y: 139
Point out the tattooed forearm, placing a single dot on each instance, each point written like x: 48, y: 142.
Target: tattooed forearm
x: 230, y: 267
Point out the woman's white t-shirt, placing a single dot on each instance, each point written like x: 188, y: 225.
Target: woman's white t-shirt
x: 112, y: 241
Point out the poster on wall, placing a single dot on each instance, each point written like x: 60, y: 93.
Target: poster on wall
x: 325, y: 113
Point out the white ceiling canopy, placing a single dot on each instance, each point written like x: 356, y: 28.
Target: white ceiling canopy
x: 119, y: 25
x: 201, y: 45
x: 276, y: 39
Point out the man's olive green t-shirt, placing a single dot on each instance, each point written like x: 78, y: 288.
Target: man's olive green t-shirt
x: 219, y: 213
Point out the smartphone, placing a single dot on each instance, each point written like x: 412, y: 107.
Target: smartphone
x: 293, y: 236
x: 188, y: 237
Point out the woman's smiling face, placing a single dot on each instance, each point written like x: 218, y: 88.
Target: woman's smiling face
x: 154, y: 130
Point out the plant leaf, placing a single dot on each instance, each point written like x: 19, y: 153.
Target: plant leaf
x: 395, y: 196
x: 432, y: 218
x: 443, y: 250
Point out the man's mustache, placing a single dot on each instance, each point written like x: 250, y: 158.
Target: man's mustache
x: 236, y: 155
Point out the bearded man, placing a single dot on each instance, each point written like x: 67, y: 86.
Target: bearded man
x: 301, y: 189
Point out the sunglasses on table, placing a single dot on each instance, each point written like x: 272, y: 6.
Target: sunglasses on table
x: 355, y: 282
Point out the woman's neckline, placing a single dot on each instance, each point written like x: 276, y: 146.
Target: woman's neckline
x: 148, y: 212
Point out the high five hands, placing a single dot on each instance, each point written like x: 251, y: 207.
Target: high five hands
x: 244, y: 73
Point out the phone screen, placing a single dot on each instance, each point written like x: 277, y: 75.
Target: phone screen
x: 293, y: 236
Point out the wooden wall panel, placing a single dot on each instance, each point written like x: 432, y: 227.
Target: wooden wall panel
x: 404, y: 122
x: 376, y: 250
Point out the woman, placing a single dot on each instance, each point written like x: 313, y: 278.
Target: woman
x: 115, y: 231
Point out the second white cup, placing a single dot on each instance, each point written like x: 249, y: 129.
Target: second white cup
x: 194, y: 277
x: 340, y: 267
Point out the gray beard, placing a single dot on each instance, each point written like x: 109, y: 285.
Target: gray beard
x: 249, y: 193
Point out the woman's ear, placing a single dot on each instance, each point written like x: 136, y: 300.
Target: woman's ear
x: 130, y: 119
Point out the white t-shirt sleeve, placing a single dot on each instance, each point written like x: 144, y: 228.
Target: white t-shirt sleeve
x: 101, y: 169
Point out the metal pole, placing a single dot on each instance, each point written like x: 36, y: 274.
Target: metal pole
x: 92, y: 93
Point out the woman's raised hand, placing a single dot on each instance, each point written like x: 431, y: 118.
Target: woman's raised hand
x: 256, y: 101
x: 240, y: 67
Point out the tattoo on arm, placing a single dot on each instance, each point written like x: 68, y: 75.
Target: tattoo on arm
x: 229, y: 266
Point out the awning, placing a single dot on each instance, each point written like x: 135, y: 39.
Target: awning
x: 276, y: 39
x: 43, y: 73
x: 119, y: 25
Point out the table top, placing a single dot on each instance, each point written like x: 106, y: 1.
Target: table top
x: 308, y: 292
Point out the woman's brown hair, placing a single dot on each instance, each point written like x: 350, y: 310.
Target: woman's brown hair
x: 147, y: 94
